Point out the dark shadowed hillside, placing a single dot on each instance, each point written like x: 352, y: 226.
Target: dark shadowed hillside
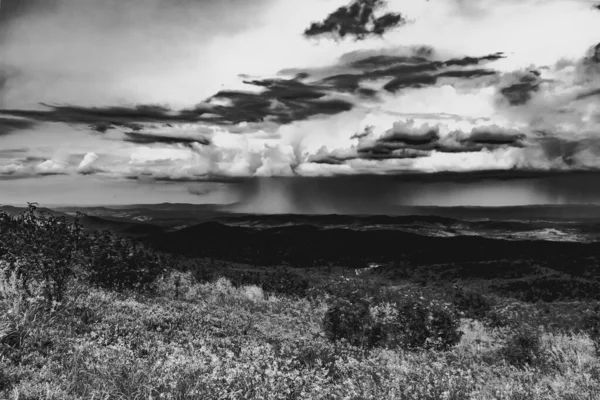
x: 308, y: 245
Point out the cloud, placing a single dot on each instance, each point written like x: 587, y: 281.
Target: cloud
x: 495, y: 135
x: 521, y: 89
x: 415, y: 68
x: 406, y: 133
x: 122, y: 116
x: 90, y: 52
x: 356, y: 19
x: 282, y: 101
x: 31, y: 167
x: 412, y: 139
x: 12, y: 153
x: 271, y: 102
x: 50, y: 167
x: 585, y: 95
x: 86, y: 166
x: 11, y: 125
x: 442, y: 102
x: 143, y: 138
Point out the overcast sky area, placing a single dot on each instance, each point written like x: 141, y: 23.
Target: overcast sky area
x: 300, y: 106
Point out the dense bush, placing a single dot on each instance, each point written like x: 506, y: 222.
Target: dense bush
x: 46, y: 251
x: 120, y: 263
x: 42, y: 248
x: 408, y: 322
x: 352, y: 321
x: 472, y: 304
x: 523, y: 347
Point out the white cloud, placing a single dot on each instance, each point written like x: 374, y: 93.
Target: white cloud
x: 87, y: 164
x: 51, y: 167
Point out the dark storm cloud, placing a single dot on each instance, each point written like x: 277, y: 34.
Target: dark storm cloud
x: 418, y: 80
x: 385, y: 61
x: 11, y: 125
x: 466, y: 61
x: 121, y: 116
x: 419, y: 61
x: 407, y: 135
x: 405, y: 72
x: 495, y: 135
x: 100, y: 119
x: 144, y: 138
x: 102, y: 127
x: 405, y: 140
x: 358, y: 20
x: 521, y: 91
x: 282, y: 101
x: 410, y: 81
x: 466, y: 74
x: 389, y: 151
x: 329, y: 159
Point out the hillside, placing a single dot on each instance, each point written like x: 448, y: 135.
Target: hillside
x: 355, y: 314
x: 214, y: 341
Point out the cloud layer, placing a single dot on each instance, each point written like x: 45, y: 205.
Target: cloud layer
x: 137, y: 90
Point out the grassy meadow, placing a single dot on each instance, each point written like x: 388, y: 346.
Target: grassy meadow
x: 142, y: 325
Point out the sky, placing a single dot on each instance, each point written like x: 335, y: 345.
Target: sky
x: 300, y: 106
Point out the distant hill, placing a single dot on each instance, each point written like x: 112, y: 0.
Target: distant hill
x: 175, y: 215
x: 307, y: 245
x: 93, y: 223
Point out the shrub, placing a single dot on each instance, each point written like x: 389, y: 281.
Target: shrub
x: 204, y: 273
x: 472, y: 304
x: 409, y: 322
x: 430, y: 325
x: 495, y: 319
x: 47, y: 251
x: 41, y: 248
x: 119, y: 263
x: 352, y: 321
x: 523, y: 347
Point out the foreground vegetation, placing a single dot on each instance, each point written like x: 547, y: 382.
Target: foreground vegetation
x: 126, y: 322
